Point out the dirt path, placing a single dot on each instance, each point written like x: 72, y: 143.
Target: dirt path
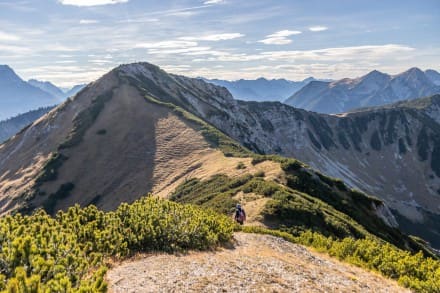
x: 256, y: 263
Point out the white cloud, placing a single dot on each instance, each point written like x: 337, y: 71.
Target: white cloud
x: 283, y: 34
x: 188, y: 51
x: 340, y: 54
x: 88, y: 21
x: 167, y: 44
x: 8, y: 37
x: 275, y: 41
x: 214, y: 37
x: 279, y: 38
x: 65, y: 62
x: 213, y: 2
x: 15, y: 49
x: 318, y: 28
x: 91, y: 2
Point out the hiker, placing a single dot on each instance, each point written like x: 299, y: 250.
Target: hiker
x: 240, y: 215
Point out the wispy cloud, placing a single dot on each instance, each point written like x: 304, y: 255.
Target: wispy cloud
x: 318, y: 28
x: 213, y: 2
x: 167, y: 44
x: 15, y: 49
x: 214, y: 37
x: 65, y: 61
x: 187, y: 51
x: 340, y: 53
x: 8, y: 37
x: 279, y: 38
x: 88, y: 21
x: 91, y: 2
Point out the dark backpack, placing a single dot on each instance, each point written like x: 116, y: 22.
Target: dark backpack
x: 239, y: 215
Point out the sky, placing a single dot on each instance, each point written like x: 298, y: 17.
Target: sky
x: 76, y: 41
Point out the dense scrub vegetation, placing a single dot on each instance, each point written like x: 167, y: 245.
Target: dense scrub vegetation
x: 287, y: 208
x: 414, y: 271
x: 67, y: 252
x: 357, y: 205
x: 307, y: 201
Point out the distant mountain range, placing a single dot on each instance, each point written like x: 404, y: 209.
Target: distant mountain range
x: 55, y: 91
x: 374, y: 89
x: 261, y: 89
x: 139, y: 129
x: 18, y: 96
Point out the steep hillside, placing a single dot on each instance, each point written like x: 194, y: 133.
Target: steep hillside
x: 18, y: 96
x: 126, y: 135
x: 11, y: 126
x: 391, y: 153
x: 261, y: 89
x: 373, y: 89
x: 427, y: 105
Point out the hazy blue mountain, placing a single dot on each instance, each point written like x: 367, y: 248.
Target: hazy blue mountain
x: 18, y: 96
x: 433, y: 75
x: 61, y: 93
x: 74, y: 90
x: 261, y: 89
x: 11, y: 126
x: 48, y: 87
x: 374, y: 89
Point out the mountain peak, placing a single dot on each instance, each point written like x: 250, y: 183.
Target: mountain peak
x: 433, y: 75
x: 375, y: 73
x: 4, y: 67
x: 7, y: 74
x: 414, y: 71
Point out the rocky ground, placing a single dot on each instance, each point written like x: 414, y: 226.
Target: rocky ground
x: 255, y: 263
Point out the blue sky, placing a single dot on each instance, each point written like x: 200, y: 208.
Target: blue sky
x: 76, y: 41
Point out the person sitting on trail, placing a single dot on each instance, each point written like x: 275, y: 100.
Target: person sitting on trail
x: 240, y: 215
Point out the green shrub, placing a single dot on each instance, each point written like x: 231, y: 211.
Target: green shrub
x: 101, y: 132
x: 240, y: 166
x: 259, y: 174
x: 67, y: 253
x: 414, y: 271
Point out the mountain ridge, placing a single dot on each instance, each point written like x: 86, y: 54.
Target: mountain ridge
x: 373, y: 89
x: 261, y: 89
x: 316, y: 140
x: 93, y: 133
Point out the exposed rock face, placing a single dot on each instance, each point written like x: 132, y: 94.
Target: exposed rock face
x: 391, y: 152
x: 373, y: 89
